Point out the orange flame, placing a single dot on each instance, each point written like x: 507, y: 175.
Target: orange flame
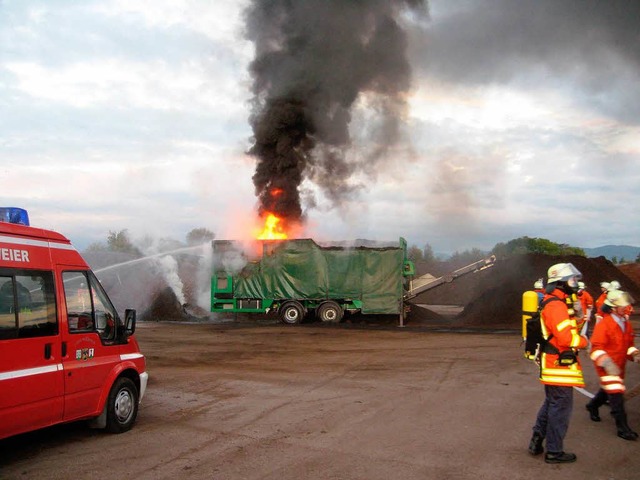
x: 272, y: 229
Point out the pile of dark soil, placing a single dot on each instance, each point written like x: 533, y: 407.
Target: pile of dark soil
x: 165, y: 306
x: 419, y: 314
x: 498, y: 290
x: 631, y: 270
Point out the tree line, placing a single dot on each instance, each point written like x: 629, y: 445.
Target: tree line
x: 120, y: 241
x: 517, y: 246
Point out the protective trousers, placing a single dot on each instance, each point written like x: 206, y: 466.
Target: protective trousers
x: 553, y: 417
x: 599, y: 399
x: 616, y: 401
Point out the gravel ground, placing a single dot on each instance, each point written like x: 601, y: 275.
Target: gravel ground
x: 239, y: 401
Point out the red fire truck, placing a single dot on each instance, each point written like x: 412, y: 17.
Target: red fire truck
x: 65, y: 354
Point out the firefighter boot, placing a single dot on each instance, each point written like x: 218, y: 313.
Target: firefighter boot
x: 535, y: 445
x: 594, y: 415
x: 596, y: 402
x: 560, y: 457
x: 624, y: 431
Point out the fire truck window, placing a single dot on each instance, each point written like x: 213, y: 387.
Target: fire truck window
x: 78, y: 299
x: 36, y: 304
x: 106, y: 316
x: 7, y: 309
x: 6, y: 295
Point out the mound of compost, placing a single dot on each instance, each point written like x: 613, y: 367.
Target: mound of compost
x: 498, y: 290
x: 631, y: 270
x: 165, y: 307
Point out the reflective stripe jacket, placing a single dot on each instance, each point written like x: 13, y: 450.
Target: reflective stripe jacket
x: 599, y: 303
x: 557, y: 321
x: 586, y: 300
x: 608, y: 340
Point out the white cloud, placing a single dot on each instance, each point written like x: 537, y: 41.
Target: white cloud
x: 219, y: 21
x: 120, y: 84
x: 134, y: 114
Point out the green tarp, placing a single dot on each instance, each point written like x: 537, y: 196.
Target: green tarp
x: 301, y: 269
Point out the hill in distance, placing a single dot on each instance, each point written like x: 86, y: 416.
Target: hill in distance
x: 626, y: 252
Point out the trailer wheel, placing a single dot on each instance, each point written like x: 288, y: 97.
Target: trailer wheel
x: 122, y: 405
x: 291, y: 313
x: 330, y: 312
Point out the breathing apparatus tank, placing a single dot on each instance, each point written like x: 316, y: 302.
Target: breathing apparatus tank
x: 529, y: 309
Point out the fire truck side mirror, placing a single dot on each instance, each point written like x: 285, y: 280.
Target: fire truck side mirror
x: 130, y: 321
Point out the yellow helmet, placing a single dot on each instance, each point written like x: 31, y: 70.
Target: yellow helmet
x: 564, y: 272
x: 618, y: 298
x: 614, y: 285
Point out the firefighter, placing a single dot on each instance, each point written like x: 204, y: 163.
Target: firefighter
x: 560, y: 368
x: 604, y: 288
x: 612, y: 345
x: 538, y: 287
x: 587, y: 307
x: 615, y: 285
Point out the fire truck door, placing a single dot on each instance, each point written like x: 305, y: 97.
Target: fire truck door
x: 91, y: 351
x: 31, y: 376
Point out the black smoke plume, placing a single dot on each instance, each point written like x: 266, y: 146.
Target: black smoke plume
x: 313, y: 59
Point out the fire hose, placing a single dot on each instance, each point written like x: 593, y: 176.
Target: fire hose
x: 628, y: 395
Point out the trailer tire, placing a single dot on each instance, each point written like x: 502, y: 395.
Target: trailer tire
x: 122, y: 405
x: 291, y: 313
x: 330, y: 312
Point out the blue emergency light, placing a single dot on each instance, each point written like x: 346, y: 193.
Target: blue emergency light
x: 14, y: 215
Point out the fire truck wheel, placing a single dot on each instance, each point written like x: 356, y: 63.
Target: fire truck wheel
x: 329, y: 312
x: 291, y: 313
x: 122, y: 405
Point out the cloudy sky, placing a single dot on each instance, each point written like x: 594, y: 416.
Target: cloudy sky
x: 523, y: 118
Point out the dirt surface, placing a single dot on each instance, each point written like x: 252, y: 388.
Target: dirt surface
x: 239, y: 401
x: 448, y: 396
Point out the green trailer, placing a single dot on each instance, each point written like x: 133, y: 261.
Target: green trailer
x: 299, y: 278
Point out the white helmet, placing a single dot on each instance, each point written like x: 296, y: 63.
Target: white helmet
x: 618, y: 298
x: 614, y: 285
x: 538, y: 285
x: 581, y: 286
x: 564, y: 272
x: 604, y: 285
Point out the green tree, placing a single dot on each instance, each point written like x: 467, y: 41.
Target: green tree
x: 168, y: 244
x: 149, y: 244
x: 120, y: 242
x: 614, y: 259
x: 198, y: 236
x: 638, y: 258
x: 522, y: 245
x: 415, y: 254
x: 97, y: 247
x: 428, y: 255
x: 468, y: 256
